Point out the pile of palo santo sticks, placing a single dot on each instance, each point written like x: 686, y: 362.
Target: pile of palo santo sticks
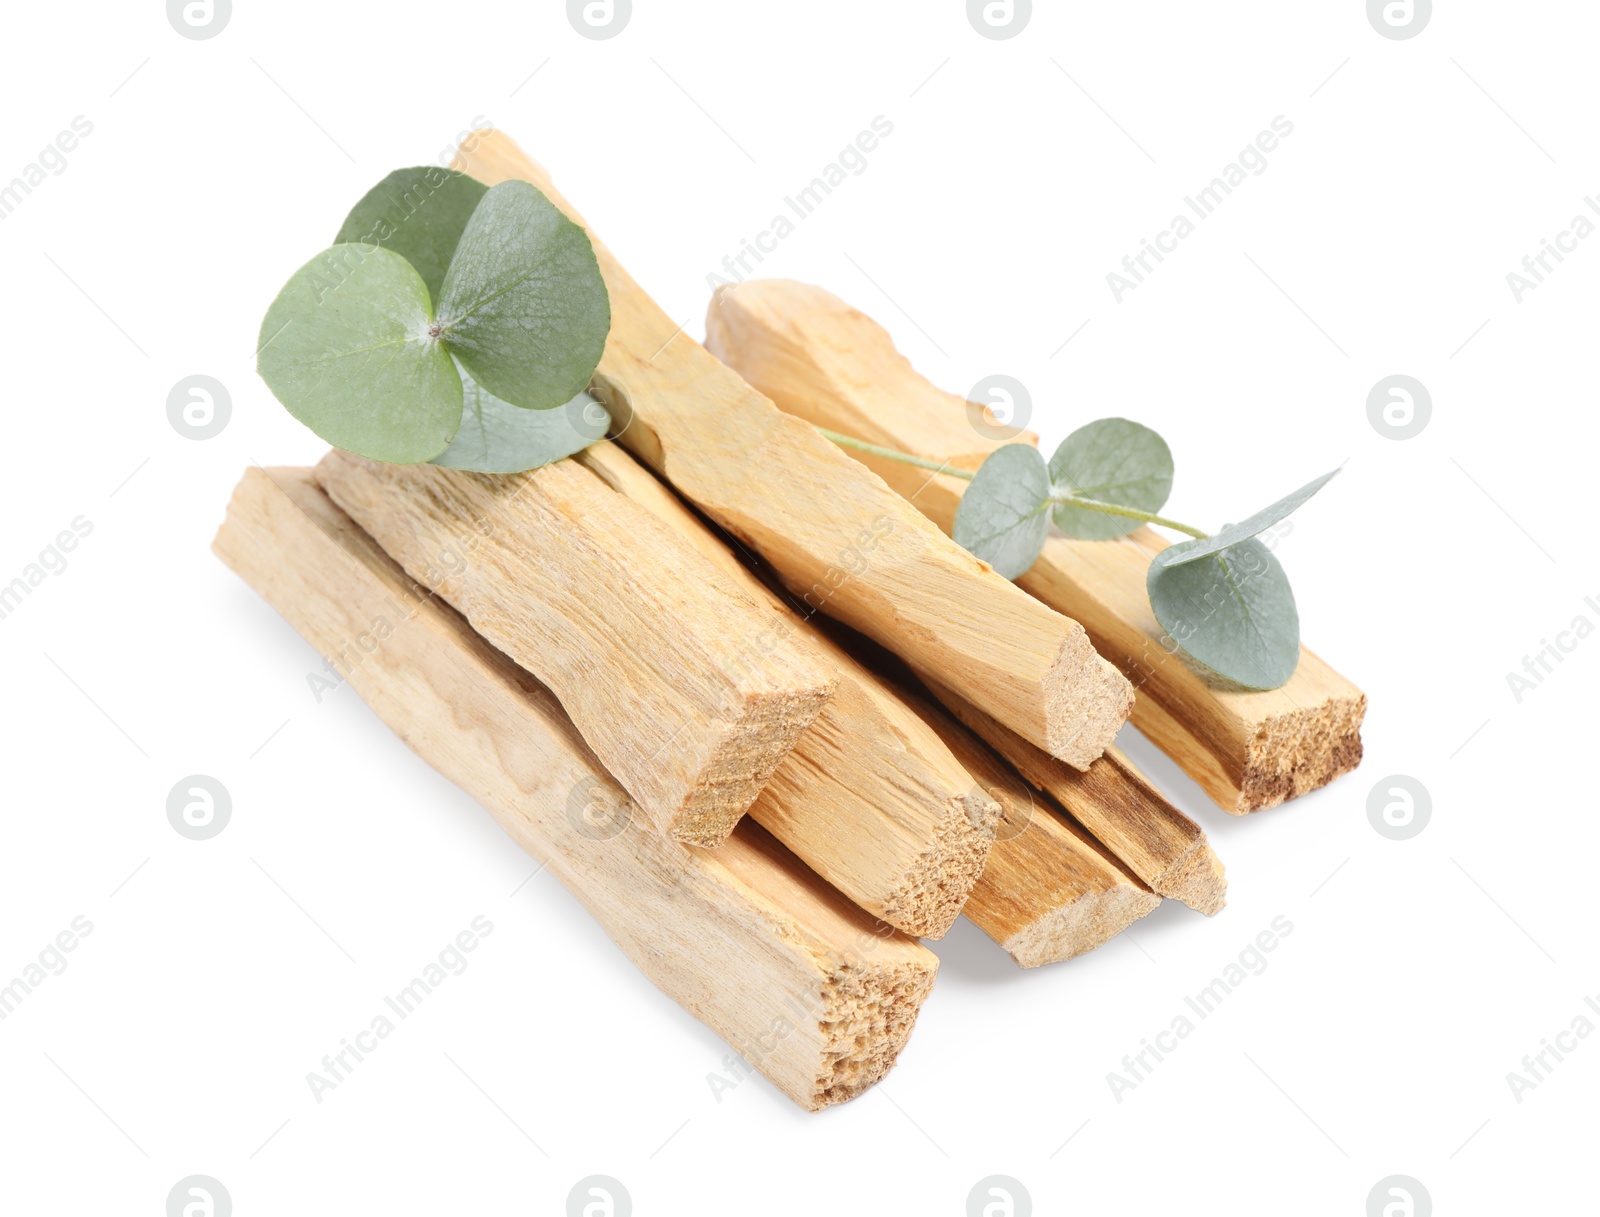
x: 748, y: 700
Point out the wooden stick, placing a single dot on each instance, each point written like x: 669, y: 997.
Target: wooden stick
x: 806, y: 987
x: 821, y: 360
x: 674, y: 678
x: 838, y: 537
x: 870, y: 798
x: 825, y: 362
x: 1114, y: 801
x: 1050, y: 891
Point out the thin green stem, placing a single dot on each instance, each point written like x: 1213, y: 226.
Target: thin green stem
x: 861, y: 445
x: 1131, y: 513
x: 1066, y: 500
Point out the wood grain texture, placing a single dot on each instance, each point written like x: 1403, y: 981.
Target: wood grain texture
x: 1120, y: 808
x: 810, y: 990
x: 870, y: 798
x: 1050, y: 891
x: 674, y: 678
x: 823, y: 361
x: 839, y: 537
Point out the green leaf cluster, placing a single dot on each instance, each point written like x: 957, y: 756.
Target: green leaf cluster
x: 449, y: 322
x: 1006, y: 513
x: 1223, y: 599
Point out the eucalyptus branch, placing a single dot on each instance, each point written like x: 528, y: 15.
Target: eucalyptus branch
x: 1064, y: 500
x: 1224, y: 595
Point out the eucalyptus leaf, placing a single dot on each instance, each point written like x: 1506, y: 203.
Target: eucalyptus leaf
x: 1111, y: 460
x: 418, y: 213
x: 1250, y: 526
x: 346, y: 348
x: 524, y: 307
x: 497, y: 437
x: 1005, y: 514
x: 1232, y: 610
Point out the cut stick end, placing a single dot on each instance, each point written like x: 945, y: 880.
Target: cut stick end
x: 1197, y: 879
x: 752, y: 747
x: 931, y: 895
x: 1303, y: 750
x: 1088, y: 922
x: 868, y: 1012
x: 1086, y: 701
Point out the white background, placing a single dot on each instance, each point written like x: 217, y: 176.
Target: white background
x: 1019, y: 173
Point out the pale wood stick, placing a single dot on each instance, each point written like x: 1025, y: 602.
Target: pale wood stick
x: 675, y: 679
x: 838, y: 537
x: 870, y: 798
x: 823, y: 361
x: 1117, y: 804
x: 805, y: 986
x: 1050, y: 891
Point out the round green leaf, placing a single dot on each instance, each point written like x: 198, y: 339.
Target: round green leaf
x: 1111, y: 460
x: 1232, y: 610
x: 524, y: 307
x: 1005, y: 514
x: 497, y: 437
x: 1264, y: 519
x: 345, y: 348
x: 418, y: 213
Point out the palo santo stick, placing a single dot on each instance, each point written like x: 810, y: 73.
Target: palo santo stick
x: 827, y: 363
x: 673, y: 677
x: 870, y: 798
x: 821, y: 360
x: 1114, y: 801
x: 1050, y: 891
x: 806, y: 987
x: 837, y: 536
